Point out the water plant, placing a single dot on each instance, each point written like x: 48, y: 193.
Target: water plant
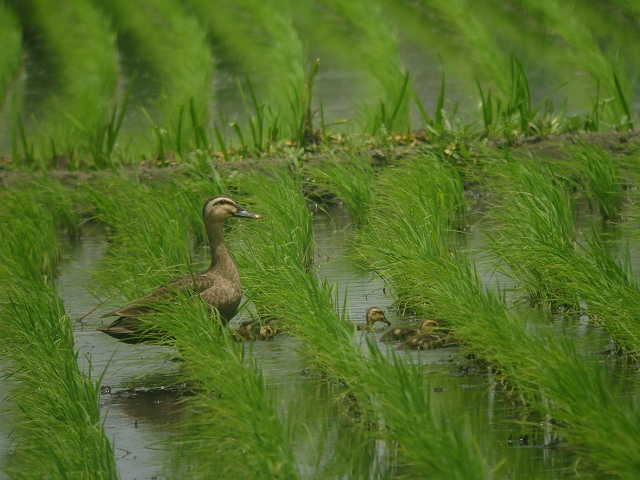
x: 537, y: 218
x: 178, y: 65
x: 11, y: 40
x: 606, y: 70
x: 545, y: 368
x: 375, y: 389
x: 82, y: 69
x: 233, y: 426
x: 377, y: 40
x: 48, y: 391
x: 349, y: 180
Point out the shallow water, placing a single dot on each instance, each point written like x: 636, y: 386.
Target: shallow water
x: 140, y: 390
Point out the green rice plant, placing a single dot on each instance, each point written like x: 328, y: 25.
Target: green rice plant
x: 178, y: 63
x: 370, y: 387
x: 232, y: 426
x: 10, y: 57
x: 48, y: 390
x: 260, y: 36
x: 537, y: 223
x: 436, y: 191
x: 51, y: 393
x: 599, y: 176
x: 546, y: 370
x: 377, y: 49
x: 152, y: 225
x: 478, y: 41
x: 606, y: 70
x: 287, y: 231
x: 350, y: 180
x: 82, y: 62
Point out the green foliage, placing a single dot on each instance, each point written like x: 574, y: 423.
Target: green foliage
x: 82, y: 67
x: 350, y: 180
x: 537, y: 224
x: 47, y: 390
x: 232, y: 427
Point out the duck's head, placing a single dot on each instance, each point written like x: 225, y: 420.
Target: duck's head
x: 375, y: 314
x: 427, y: 325
x: 221, y: 207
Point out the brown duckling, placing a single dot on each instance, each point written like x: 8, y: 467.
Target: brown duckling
x: 373, y: 315
x: 254, y: 331
x: 430, y: 341
x: 401, y: 333
x: 219, y: 286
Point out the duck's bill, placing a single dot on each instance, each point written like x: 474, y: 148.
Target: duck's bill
x: 241, y: 212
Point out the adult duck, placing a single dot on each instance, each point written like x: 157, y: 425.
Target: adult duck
x: 373, y: 316
x: 402, y: 333
x: 219, y: 286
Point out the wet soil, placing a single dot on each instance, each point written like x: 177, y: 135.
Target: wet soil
x: 551, y: 147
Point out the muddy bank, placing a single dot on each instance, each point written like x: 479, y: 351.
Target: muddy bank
x: 552, y: 147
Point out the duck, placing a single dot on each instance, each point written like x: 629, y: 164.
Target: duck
x: 430, y: 341
x: 254, y: 331
x: 402, y: 333
x: 373, y: 315
x: 219, y: 286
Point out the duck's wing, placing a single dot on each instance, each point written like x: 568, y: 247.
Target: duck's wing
x: 145, y: 305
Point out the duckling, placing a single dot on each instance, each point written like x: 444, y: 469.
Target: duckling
x: 373, y: 315
x: 219, y: 286
x: 430, y: 341
x: 402, y: 333
x: 254, y: 331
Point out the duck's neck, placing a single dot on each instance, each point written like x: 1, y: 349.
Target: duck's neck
x: 220, y: 257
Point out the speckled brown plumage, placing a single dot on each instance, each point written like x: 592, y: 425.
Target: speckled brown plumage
x: 219, y: 286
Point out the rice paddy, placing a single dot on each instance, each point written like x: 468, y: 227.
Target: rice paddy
x: 470, y: 163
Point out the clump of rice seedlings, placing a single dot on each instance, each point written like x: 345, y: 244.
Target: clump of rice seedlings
x: 350, y: 180
x: 476, y: 37
x: 232, y: 424
x: 151, y: 224
x: 436, y: 191
x: 10, y: 57
x: 82, y: 63
x: 36, y: 336
x: 178, y: 63
x: 261, y: 36
x: 537, y: 224
x: 377, y: 46
x: 513, y: 112
x: 547, y: 371
x: 584, y: 52
x: 599, y: 175
x: 371, y: 387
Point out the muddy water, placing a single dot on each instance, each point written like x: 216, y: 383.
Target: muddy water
x: 140, y: 391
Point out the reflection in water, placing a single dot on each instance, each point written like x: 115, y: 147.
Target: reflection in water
x: 141, y: 390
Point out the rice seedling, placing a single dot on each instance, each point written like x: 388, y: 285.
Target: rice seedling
x: 82, y: 68
x: 50, y: 392
x: 10, y: 58
x: 370, y: 387
x: 233, y: 426
x: 177, y: 63
x: 260, y: 35
x: 153, y: 224
x: 546, y: 370
x: 537, y: 221
x: 475, y: 35
x: 376, y: 41
x: 350, y: 180
x: 599, y: 176
x: 606, y: 70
